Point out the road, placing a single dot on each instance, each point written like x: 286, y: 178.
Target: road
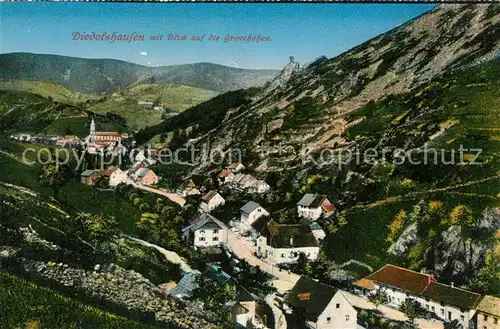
x: 171, y: 196
x: 279, y: 317
x: 244, y: 249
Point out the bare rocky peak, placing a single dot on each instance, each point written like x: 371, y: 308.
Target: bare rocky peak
x: 447, y: 38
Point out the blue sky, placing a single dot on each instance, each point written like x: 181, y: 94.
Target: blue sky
x: 305, y: 31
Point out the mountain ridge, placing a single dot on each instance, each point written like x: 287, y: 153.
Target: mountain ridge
x: 105, y: 75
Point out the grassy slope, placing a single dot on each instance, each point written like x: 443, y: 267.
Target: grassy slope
x: 172, y: 96
x: 471, y: 98
x: 73, y: 195
x: 22, y: 302
x: 57, y: 92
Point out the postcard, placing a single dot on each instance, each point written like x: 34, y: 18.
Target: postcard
x: 249, y: 165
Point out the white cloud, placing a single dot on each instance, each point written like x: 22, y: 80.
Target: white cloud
x: 143, y: 53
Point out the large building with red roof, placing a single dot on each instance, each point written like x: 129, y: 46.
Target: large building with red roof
x: 447, y: 302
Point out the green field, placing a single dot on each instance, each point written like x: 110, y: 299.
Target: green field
x: 173, y: 97
x: 55, y: 91
x: 24, y: 304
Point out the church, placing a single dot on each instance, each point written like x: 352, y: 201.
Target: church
x: 100, y: 141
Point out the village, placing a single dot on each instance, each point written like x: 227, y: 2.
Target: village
x: 392, y: 293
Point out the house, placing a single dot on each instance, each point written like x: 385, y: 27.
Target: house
x: 188, y: 189
x: 146, y: 176
x: 250, y: 184
x: 225, y: 176
x: 211, y: 200
x: 242, y: 309
x: 250, y: 212
x: 322, y: 306
x: 314, y: 206
x: 488, y: 313
x: 236, y: 167
x: 185, y: 286
x: 89, y: 177
x: 317, y: 231
x: 447, y: 302
x: 117, y: 176
x: 205, y: 231
x: 282, y: 244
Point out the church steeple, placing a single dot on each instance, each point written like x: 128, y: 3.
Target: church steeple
x: 92, y: 127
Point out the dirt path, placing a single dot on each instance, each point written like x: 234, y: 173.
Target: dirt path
x: 171, y: 196
x: 169, y: 255
x: 430, y: 191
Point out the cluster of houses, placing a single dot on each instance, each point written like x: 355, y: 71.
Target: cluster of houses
x: 275, y: 243
x: 326, y: 307
x: 63, y: 141
x: 243, y: 309
x: 150, y: 104
x: 234, y: 178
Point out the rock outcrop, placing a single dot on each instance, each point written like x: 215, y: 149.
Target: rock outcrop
x: 113, y: 285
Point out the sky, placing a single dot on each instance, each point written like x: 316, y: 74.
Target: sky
x: 305, y: 31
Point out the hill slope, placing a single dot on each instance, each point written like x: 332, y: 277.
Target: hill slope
x: 107, y: 75
x: 433, y: 80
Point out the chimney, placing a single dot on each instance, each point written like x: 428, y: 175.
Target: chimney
x: 291, y: 241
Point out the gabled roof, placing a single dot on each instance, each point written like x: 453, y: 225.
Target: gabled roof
x: 311, y: 200
x: 186, y: 285
x: 310, y: 295
x: 249, y: 207
x: 225, y: 173
x: 490, y: 305
x: 215, y: 273
x: 87, y: 173
x: 108, y: 171
x: 108, y: 133
x: 365, y: 284
x: 289, y: 235
x: 401, y: 278
x: 209, y: 195
x: 205, y: 221
x: 452, y: 296
x: 142, y: 172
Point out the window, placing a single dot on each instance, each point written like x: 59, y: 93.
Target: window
x: 328, y: 319
x: 449, y: 315
x: 442, y: 311
x: 462, y: 317
x: 216, y: 231
x: 282, y: 255
x: 337, y: 305
x: 495, y: 320
x: 347, y: 317
x: 202, y: 232
x: 485, y: 317
x: 433, y: 309
x: 215, y: 238
x: 202, y: 238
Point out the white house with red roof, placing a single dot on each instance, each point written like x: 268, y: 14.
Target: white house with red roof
x: 314, y: 206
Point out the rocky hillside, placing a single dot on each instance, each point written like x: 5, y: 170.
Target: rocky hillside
x: 431, y: 82
x: 312, y: 109
x: 107, y: 75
